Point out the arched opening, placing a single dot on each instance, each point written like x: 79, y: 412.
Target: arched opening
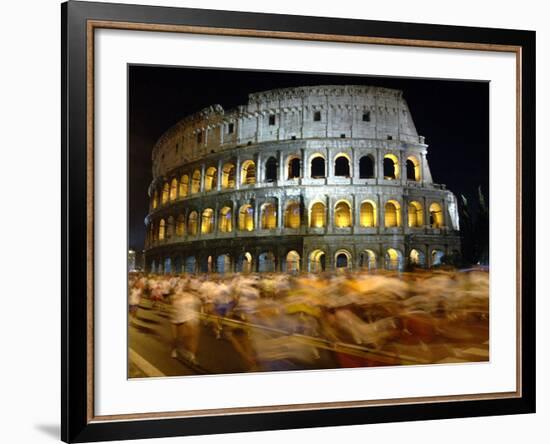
x: 368, y: 214
x: 391, y: 167
x: 436, y: 215
x: 269, y: 217
x: 317, y: 261
x: 244, y: 263
x: 190, y: 264
x: 342, y: 214
x: 271, y: 170
x: 368, y: 260
x: 180, y: 226
x: 292, y: 215
x: 437, y: 256
x: 223, y: 263
x: 292, y: 262
x: 342, y: 260
x: 165, y: 192
x: 155, y: 199
x: 184, y: 185
x: 318, y: 167
x: 196, y: 182
x: 416, y: 218
x: 170, y: 227
x: 341, y: 166
x: 294, y: 168
x: 228, y: 176
x: 248, y: 173
x: 174, y: 189
x: 211, y: 179
x: 167, y: 265
x: 394, y: 259
x: 413, y: 168
x: 266, y: 262
x: 318, y: 215
x: 178, y: 264
x: 392, y: 214
x: 162, y: 230
x: 416, y: 258
x: 193, y: 223
x: 366, y: 167
x: 225, y: 220
x: 207, y: 221
x: 246, y: 218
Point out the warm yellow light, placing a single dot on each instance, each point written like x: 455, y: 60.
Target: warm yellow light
x: 228, y: 176
x: 436, y: 215
x: 162, y: 230
x: 226, y: 222
x: 211, y: 179
x: 155, y: 199
x: 392, y: 214
x: 207, y: 221
x: 165, y: 193
x: 248, y: 173
x: 318, y: 215
x: 192, y: 223
x: 246, y: 218
x: 368, y: 214
x: 342, y: 215
x: 269, y: 217
x: 415, y: 214
x: 184, y: 185
x: 292, y: 216
x: 196, y: 182
x: 292, y: 262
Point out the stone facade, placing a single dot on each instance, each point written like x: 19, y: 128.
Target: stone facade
x: 306, y: 178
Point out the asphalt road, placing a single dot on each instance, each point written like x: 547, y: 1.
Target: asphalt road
x: 150, y: 345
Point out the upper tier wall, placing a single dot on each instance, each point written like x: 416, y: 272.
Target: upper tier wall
x: 283, y: 114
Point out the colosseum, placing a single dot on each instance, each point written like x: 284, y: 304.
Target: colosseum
x: 298, y: 179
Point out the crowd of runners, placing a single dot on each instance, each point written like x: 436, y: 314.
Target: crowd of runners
x: 425, y: 316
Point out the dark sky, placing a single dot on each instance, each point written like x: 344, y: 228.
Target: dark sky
x: 452, y: 115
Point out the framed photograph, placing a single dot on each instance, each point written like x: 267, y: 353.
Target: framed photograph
x: 276, y: 221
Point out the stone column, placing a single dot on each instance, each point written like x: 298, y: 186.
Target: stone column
x: 219, y: 183
x: 279, y: 215
x: 201, y: 185
x: 379, y: 166
x: 238, y: 172
x: 281, y: 171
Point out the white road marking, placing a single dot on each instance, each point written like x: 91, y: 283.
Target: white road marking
x: 144, y: 365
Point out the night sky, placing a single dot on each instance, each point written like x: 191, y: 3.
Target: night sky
x: 452, y: 115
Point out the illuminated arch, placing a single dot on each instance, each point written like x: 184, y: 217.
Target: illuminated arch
x: 417, y: 258
x: 165, y: 192
x: 292, y: 262
x: 436, y: 215
x: 342, y: 214
x: 317, y: 261
x: 416, y: 214
x: 196, y: 182
x: 211, y: 179
x: 391, y: 166
x: 368, y: 214
x: 174, y: 189
x: 342, y: 259
x: 225, y: 220
x: 207, y: 221
x: 248, y: 172
x: 394, y: 259
x: 437, y: 256
x: 228, y: 176
x: 318, y: 215
x: 246, y: 218
x: 317, y: 166
x: 155, y: 199
x: 244, y: 263
x: 292, y: 215
x: 413, y: 168
x: 223, y: 263
x: 180, y: 225
x: 368, y: 259
x: 269, y: 216
x: 184, y: 185
x: 162, y: 229
x: 392, y: 214
x: 266, y: 262
x: 193, y: 223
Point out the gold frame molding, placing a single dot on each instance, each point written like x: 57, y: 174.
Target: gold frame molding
x: 92, y: 25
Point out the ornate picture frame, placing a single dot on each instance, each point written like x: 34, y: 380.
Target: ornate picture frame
x: 80, y: 22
